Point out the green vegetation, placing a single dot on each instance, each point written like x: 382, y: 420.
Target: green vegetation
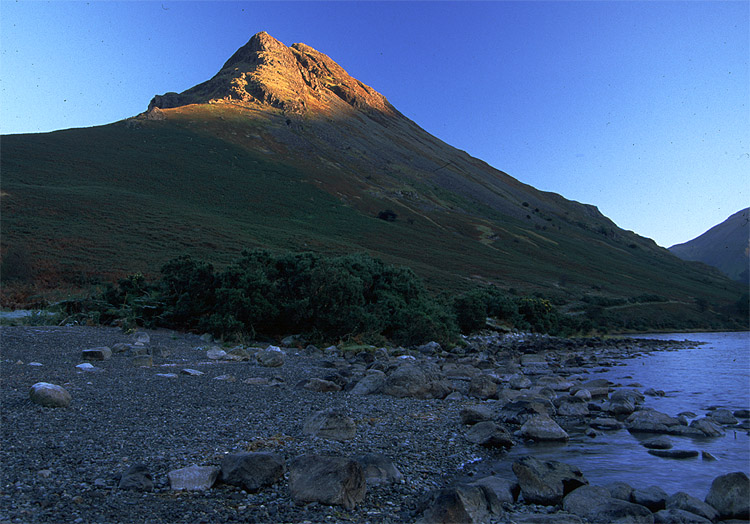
x: 349, y: 298
x: 83, y: 208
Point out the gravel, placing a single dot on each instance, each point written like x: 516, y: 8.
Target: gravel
x: 62, y: 465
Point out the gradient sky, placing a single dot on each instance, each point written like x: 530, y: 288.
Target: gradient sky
x: 640, y: 108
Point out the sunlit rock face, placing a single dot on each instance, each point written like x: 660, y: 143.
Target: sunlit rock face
x: 296, y: 79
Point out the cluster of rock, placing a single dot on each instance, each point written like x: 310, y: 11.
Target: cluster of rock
x: 333, y: 480
x: 566, y: 490
x: 513, y: 388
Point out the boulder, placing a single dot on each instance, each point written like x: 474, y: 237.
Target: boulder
x: 723, y: 416
x: 619, y: 407
x: 684, y: 502
x: 215, y: 353
x: 251, y: 471
x: 543, y: 428
x: 633, y: 396
x: 379, y: 469
x: 415, y: 381
x: 330, y: 424
x: 328, y: 480
x: 678, y: 516
x: 371, y: 383
x: 651, y: 421
x: 459, y: 504
x: 192, y: 372
x: 620, y: 490
x: 729, y: 495
x: 100, y: 353
x: 594, y: 504
x: 49, y: 395
x: 136, y: 478
x: 707, y: 427
x: 652, y: 497
x: 520, y: 410
x: 572, y: 406
x: 498, y: 490
x: 271, y: 357
x: 482, y: 387
x: 193, y: 478
x: 490, y: 435
x: 546, y: 482
x: 473, y: 414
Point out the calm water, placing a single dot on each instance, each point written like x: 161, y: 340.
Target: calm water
x: 716, y: 373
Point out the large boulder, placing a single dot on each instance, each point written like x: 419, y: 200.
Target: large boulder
x: 723, y: 416
x: 328, y: 480
x: 331, y: 424
x: 459, y: 504
x: 251, y: 471
x: 49, y: 395
x: 595, y: 504
x: 543, y: 428
x: 729, y: 495
x: 546, y: 482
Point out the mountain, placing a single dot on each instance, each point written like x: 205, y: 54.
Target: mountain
x: 283, y: 149
x: 725, y: 246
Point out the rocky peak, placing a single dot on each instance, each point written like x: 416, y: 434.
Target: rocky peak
x: 296, y: 79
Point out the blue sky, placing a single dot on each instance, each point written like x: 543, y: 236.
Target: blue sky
x: 640, y: 108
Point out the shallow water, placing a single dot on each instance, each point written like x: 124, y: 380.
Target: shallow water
x: 714, y: 374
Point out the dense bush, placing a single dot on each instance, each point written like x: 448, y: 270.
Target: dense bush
x: 264, y: 294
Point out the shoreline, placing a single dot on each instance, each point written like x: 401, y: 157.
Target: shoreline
x: 61, y: 464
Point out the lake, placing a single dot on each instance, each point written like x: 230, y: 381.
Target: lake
x: 713, y: 374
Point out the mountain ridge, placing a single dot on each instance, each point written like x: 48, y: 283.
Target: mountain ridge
x: 725, y: 246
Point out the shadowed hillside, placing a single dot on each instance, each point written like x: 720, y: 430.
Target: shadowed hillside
x: 283, y: 149
x: 725, y: 246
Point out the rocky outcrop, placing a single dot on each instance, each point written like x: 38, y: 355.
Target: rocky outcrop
x: 294, y: 79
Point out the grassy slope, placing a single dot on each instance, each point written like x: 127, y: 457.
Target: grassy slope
x: 84, y: 204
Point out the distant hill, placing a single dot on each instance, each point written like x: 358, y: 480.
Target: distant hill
x: 725, y: 246
x: 282, y: 149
